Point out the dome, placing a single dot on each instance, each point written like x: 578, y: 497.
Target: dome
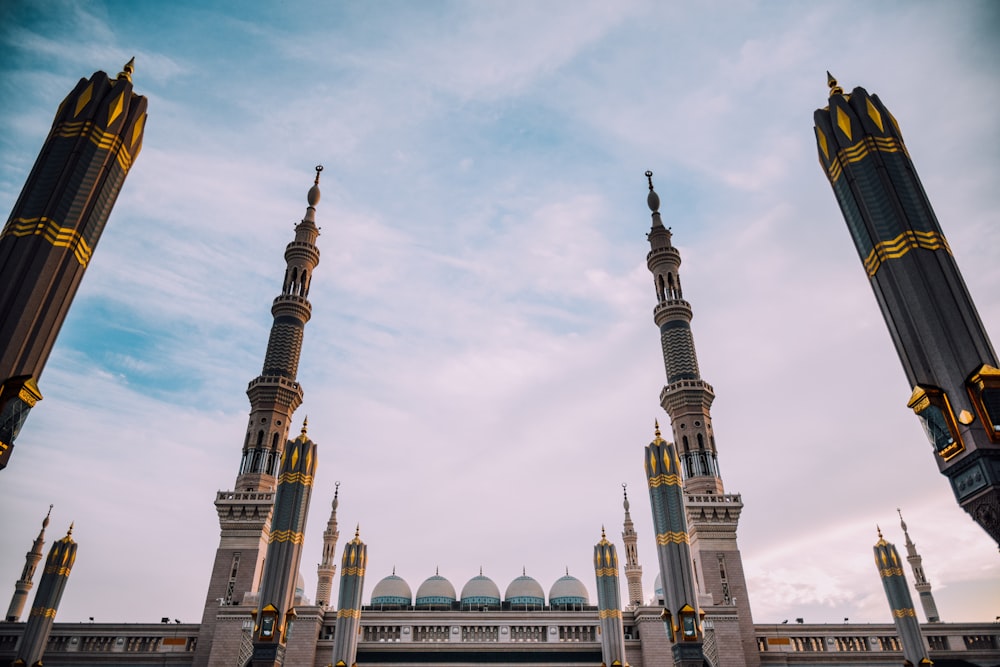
x: 480, y: 592
x: 524, y: 592
x: 436, y: 591
x: 300, y: 591
x: 568, y: 592
x: 392, y: 591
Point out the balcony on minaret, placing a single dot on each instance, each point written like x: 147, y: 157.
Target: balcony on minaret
x: 671, y: 309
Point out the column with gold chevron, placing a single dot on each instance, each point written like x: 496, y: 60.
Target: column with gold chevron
x: 352, y: 582
x: 890, y: 569
x: 609, y: 603
x: 946, y: 354
x: 666, y: 498
x: 284, y: 552
x: 52, y: 232
x: 46, y: 603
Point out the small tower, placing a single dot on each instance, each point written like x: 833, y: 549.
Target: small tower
x: 284, y: 552
x: 633, y: 571
x: 919, y: 579
x: 666, y: 496
x: 55, y: 225
x: 46, y: 604
x: 327, y: 569
x: 609, y: 603
x: 245, y: 512
x: 352, y: 582
x: 945, y: 351
x: 900, y: 603
x: 24, y: 584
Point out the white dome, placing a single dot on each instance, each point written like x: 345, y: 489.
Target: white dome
x: 392, y: 590
x: 480, y: 592
x: 435, y: 591
x: 525, y: 592
x: 568, y: 590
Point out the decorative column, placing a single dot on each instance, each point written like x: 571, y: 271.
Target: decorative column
x: 327, y: 569
x: 900, y: 603
x: 24, y: 584
x: 609, y: 603
x: 945, y: 352
x: 633, y: 571
x: 52, y: 233
x: 352, y: 581
x: 47, y: 598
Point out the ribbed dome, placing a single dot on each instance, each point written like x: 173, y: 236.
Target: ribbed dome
x: 436, y: 591
x: 525, y: 592
x: 568, y: 591
x: 392, y: 591
x: 480, y: 592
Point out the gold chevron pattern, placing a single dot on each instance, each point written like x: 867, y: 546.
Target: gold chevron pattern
x: 672, y: 537
x: 663, y: 479
x: 45, y: 612
x: 295, y: 478
x: 609, y: 613
x: 891, y: 572
x: 103, y: 140
x: 286, y: 536
x: 58, y: 571
x: 48, y: 229
x: 349, y: 613
x: 861, y: 150
x: 607, y: 572
x: 903, y: 613
x: 902, y: 244
x: 353, y: 571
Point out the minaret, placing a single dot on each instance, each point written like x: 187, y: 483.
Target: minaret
x: 327, y: 569
x: 46, y: 603
x: 609, y: 603
x: 666, y: 498
x: 633, y: 571
x: 946, y: 354
x: 712, y: 514
x: 900, y: 603
x: 52, y: 232
x: 245, y: 513
x: 24, y: 584
x: 284, y: 552
x: 919, y: 580
x: 352, y: 582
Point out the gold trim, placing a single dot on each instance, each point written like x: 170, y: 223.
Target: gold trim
x: 116, y: 108
x: 353, y: 571
x: 295, y: 478
x: 844, y: 122
x: 664, y: 480
x: 984, y: 376
x: 821, y: 139
x: 672, y: 537
x: 84, y: 98
x: 861, y: 150
x: 607, y: 572
x: 60, y: 237
x: 349, y: 613
x: 902, y: 244
x: 891, y: 572
x: 104, y: 140
x: 44, y: 612
x: 921, y: 399
x: 903, y: 613
x: 609, y: 613
x: 286, y: 536
x: 874, y: 114
x: 58, y: 571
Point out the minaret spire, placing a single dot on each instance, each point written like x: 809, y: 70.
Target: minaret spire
x: 245, y: 513
x: 24, y: 584
x: 633, y: 571
x: 900, y: 603
x: 920, y: 582
x: 609, y: 604
x: 327, y: 569
x: 352, y: 582
x: 55, y: 576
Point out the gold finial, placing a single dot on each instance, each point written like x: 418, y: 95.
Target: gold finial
x: 319, y: 168
x: 394, y: 570
x: 305, y: 424
x: 126, y: 72
x: 567, y: 570
x: 45, y: 521
x: 603, y: 536
x: 657, y: 439
x: 480, y: 570
x: 832, y: 83
x: 524, y: 571
x: 70, y: 531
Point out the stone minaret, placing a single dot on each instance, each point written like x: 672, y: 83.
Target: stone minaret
x: 43, y: 609
x: 327, y: 569
x: 666, y: 498
x: 275, y: 607
x: 245, y: 512
x: 352, y: 582
x: 946, y: 354
x: 919, y: 579
x: 890, y: 569
x: 633, y: 571
x: 24, y: 584
x: 712, y: 514
x: 609, y: 603
x: 52, y: 232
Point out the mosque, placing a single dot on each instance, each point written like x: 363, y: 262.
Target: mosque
x: 255, y: 609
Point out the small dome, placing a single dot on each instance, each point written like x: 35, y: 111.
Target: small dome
x: 436, y: 591
x: 525, y: 592
x: 568, y: 591
x: 480, y: 592
x: 658, y: 590
x: 392, y: 591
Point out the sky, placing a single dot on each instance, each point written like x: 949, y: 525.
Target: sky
x: 482, y: 371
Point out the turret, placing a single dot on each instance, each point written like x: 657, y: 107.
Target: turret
x: 920, y: 582
x: 900, y: 603
x: 633, y: 571
x: 327, y: 569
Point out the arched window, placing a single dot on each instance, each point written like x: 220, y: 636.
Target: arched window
x: 260, y: 439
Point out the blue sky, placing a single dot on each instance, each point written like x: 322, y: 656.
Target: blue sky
x: 482, y: 370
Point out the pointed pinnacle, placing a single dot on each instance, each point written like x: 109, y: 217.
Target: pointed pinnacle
x: 832, y: 83
x: 126, y: 72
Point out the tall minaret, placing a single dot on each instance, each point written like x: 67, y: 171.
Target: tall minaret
x: 284, y: 552
x: 666, y: 498
x: 245, y: 513
x: 46, y: 603
x: 945, y: 352
x: 327, y: 569
x: 919, y: 580
x: 712, y: 514
x: 24, y: 584
x: 633, y: 571
x: 900, y: 603
x: 352, y: 583
x: 52, y: 232
x: 609, y: 603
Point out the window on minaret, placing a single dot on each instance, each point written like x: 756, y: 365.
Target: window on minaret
x: 931, y: 405
x: 984, y: 389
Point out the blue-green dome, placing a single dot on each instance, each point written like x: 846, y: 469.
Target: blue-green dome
x: 568, y: 591
x: 392, y: 591
x: 525, y: 592
x: 480, y: 592
x: 436, y: 591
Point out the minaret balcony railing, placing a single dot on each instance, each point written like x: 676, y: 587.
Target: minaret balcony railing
x: 682, y: 385
x: 672, y: 309
x: 298, y: 305
x: 729, y: 498
x: 658, y: 253
x: 302, y: 249
x: 273, y: 379
x: 244, y: 496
